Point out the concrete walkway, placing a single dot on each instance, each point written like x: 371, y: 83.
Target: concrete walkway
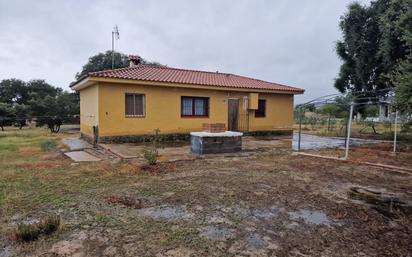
x: 82, y: 156
x: 182, y: 151
x: 76, y: 144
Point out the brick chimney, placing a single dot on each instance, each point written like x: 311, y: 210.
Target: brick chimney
x: 134, y: 60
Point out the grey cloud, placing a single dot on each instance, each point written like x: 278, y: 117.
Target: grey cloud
x: 289, y: 42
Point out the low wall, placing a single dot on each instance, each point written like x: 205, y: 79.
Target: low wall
x: 177, y: 137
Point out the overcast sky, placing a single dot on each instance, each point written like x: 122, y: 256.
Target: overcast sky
x: 284, y: 41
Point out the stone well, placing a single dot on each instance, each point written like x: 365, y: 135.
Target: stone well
x: 212, y: 143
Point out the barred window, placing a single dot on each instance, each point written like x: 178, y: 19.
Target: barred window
x: 195, y: 106
x: 135, y: 104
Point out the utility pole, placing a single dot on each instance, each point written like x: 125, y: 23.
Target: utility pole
x: 115, y: 34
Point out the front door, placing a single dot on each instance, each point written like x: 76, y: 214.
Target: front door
x: 233, y: 114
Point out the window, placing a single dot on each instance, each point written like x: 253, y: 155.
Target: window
x: 195, y: 106
x: 135, y: 105
x: 261, y: 111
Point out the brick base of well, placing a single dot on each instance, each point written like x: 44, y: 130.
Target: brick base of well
x: 214, y: 127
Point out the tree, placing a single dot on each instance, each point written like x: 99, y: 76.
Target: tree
x: 401, y: 77
x: 375, y: 47
x: 7, y: 115
x: 361, y: 69
x: 38, y: 100
x: 103, y: 61
x: 372, y: 111
x: 39, y: 89
x: 13, y: 91
x: 330, y: 110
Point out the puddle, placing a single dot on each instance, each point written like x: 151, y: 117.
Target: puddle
x: 216, y: 233
x: 266, y: 214
x: 255, y: 241
x: 311, y: 217
x: 310, y: 142
x: 166, y: 213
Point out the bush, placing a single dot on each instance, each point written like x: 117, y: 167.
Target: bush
x: 151, y: 155
x: 49, y: 225
x: 27, y: 232
x: 48, y: 145
x: 31, y: 232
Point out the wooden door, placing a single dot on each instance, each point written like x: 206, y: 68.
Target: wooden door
x: 233, y: 108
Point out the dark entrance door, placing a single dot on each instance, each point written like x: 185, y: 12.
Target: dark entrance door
x: 233, y: 114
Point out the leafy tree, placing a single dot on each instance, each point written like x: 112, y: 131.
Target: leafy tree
x: 103, y: 61
x: 7, y: 115
x: 361, y: 69
x: 377, y: 40
x: 402, y: 78
x: 13, y: 91
x: 37, y: 99
x: 330, y: 110
x: 39, y: 89
x: 371, y: 111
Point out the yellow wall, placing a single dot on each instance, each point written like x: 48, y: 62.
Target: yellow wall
x: 89, y: 109
x: 253, y: 101
x: 279, y: 113
x: 162, y: 110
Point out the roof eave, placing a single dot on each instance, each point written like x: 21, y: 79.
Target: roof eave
x: 89, y: 80
x: 82, y: 83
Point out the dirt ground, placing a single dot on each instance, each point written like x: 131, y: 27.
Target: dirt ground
x: 267, y: 204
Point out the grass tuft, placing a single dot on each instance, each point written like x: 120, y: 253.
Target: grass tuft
x: 31, y: 232
x: 48, y: 145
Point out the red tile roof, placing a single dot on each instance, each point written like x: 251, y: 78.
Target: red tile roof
x: 192, y: 77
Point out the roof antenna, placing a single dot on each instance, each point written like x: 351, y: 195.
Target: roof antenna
x: 115, y: 34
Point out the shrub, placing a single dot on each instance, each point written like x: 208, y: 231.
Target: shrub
x: 48, y: 145
x: 27, y: 232
x: 151, y: 155
x: 49, y: 225
x: 31, y: 232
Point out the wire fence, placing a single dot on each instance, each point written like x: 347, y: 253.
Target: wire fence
x: 390, y: 126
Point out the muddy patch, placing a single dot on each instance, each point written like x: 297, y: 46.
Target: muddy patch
x: 250, y: 213
x: 7, y: 251
x: 387, y: 203
x: 255, y: 242
x: 311, y: 217
x: 126, y: 201
x: 166, y: 213
x: 216, y: 233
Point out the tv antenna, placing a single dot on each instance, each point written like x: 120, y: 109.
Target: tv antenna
x: 115, y: 34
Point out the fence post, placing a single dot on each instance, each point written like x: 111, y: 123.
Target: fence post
x: 395, y: 134
x: 348, y: 131
x: 300, y: 128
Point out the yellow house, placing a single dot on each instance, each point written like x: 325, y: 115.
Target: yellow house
x: 130, y: 103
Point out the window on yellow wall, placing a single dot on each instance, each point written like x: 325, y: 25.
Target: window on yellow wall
x: 194, y: 106
x: 135, y: 105
x: 261, y: 111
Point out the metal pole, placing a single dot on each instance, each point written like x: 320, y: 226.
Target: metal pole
x: 300, y: 128
x: 112, y: 50
x: 395, y: 132
x: 348, y: 131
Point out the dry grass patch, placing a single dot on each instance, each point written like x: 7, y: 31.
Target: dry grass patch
x: 28, y: 151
